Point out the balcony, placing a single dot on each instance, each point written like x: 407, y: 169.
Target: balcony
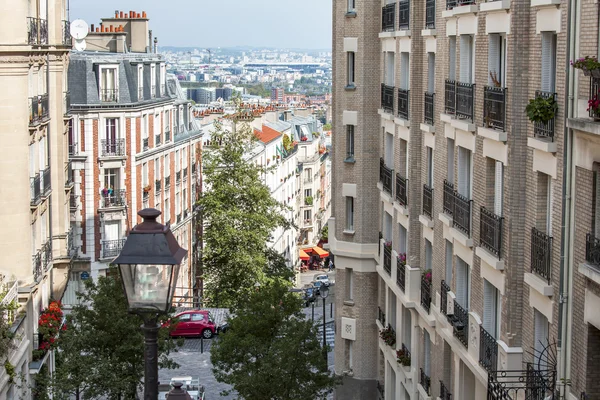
x: 145, y: 144
x: 387, y: 98
x: 401, y: 192
x: 112, y: 148
x: 46, y: 181
x: 112, y: 248
x: 385, y: 176
x: 488, y: 351
x: 425, y: 381
x: 465, y: 94
x: 528, y: 384
x: 37, y: 32
x: 544, y: 130
x: 178, y: 177
x: 109, y: 95
x: 403, y: 102
x: 444, y: 392
x: 429, y: 107
x: 401, y: 275
x: 388, y: 17
x: 450, y: 97
x: 426, y: 291
x: 157, y: 185
x: 113, y: 198
x: 157, y: 140
x: 38, y: 109
x: 380, y: 316
x: 404, y: 14
x: 490, y: 231
x: 494, y: 108
x: 167, y: 182
x: 37, y: 267
x: 66, y: 33
x: 46, y: 253
x: 429, y: 14
x: 387, y: 259
x: 444, y: 298
x: 36, y: 189
x: 462, y: 213
x: 448, y: 202
x: 592, y: 250
x: 407, y: 355
x: 428, y: 201
x: 460, y: 324
x: 541, y: 251
x: 69, y: 181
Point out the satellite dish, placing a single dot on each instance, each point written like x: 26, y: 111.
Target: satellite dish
x: 80, y: 45
x: 79, y: 29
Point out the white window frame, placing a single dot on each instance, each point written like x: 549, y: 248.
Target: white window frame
x: 101, y: 74
x: 350, y: 142
x: 152, y: 80
x: 465, y: 172
x: 491, y: 309
x: 140, y: 76
x: 404, y: 70
x: 467, y: 59
x: 548, y: 61
x: 351, y: 68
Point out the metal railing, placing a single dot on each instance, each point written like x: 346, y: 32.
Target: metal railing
x: 36, y: 189
x: 109, y: 95
x: 403, y: 102
x: 450, y: 4
x: 37, y: 266
x: 494, y: 107
x: 401, y: 192
x: 429, y: 14
x: 46, y: 181
x: 145, y: 144
x: 428, y: 201
x: 460, y: 323
x: 592, y: 249
x: 450, y: 96
x: 179, y: 218
x: 488, y: 350
x: 113, y: 198
x: 385, y: 175
x: 594, y: 94
x: 167, y: 181
x: 444, y: 297
x: 387, y: 98
x: 157, y: 184
x: 544, y: 129
x: 444, y: 392
x: 426, y: 292
x: 112, y: 148
x: 448, y: 201
x: 73, y: 204
x: 66, y: 33
x: 401, y: 275
x: 530, y: 384
x: 167, y: 134
x: 541, y: 252
x: 428, y: 107
x: 112, y: 248
x: 388, y: 17
x: 46, y: 253
x: 404, y: 14
x: 461, y: 215
x: 406, y: 352
x: 425, y: 381
x: 490, y: 231
x: 177, y: 177
x: 387, y: 259
x: 37, y: 32
x: 465, y: 95
x: 381, y: 316
x: 380, y: 391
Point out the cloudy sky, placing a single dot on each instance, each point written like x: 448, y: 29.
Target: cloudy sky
x: 224, y: 23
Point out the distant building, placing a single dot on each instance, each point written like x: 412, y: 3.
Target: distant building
x: 277, y: 95
x: 202, y: 95
x: 224, y: 93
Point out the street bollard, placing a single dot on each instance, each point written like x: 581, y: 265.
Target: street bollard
x: 201, y: 345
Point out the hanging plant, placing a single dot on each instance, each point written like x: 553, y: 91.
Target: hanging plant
x: 541, y: 109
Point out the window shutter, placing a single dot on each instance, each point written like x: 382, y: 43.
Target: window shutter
x: 498, y: 183
x: 427, y: 353
x: 406, y: 337
x: 389, y: 150
x: 452, y: 57
x: 402, y: 237
x: 465, y: 58
x: 404, y: 70
x: 461, y: 282
x: 464, y: 172
x: 548, y: 61
x: 488, y: 307
x: 449, y: 257
x: 451, y: 161
x: 431, y: 72
x: 389, y: 69
x: 494, y: 58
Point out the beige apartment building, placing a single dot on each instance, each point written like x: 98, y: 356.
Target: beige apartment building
x: 463, y: 273
x: 37, y: 245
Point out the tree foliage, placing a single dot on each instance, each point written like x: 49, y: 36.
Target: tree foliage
x: 239, y: 215
x: 101, y: 353
x: 271, y: 351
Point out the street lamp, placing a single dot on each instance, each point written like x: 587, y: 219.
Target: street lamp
x: 324, y: 292
x: 149, y: 264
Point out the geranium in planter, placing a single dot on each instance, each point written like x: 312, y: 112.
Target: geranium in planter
x: 588, y: 64
x: 49, y: 325
x: 594, y: 107
x: 403, y: 358
x: 541, y: 109
x: 388, y: 244
x: 427, y: 275
x: 388, y: 335
x: 402, y: 258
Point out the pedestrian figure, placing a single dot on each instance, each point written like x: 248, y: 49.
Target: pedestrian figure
x: 330, y: 265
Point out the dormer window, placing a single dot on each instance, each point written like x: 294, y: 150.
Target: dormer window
x: 109, y: 90
x: 153, y: 80
x: 163, y: 79
x: 140, y: 82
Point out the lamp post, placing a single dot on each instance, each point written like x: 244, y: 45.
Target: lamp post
x: 324, y: 292
x: 149, y: 265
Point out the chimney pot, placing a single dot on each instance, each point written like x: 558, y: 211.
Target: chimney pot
x: 97, y: 30
x: 92, y: 30
x: 116, y: 13
x: 111, y: 28
x: 121, y: 14
x: 138, y: 15
x: 143, y: 14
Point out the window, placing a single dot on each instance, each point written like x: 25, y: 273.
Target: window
x: 168, y: 121
x: 177, y: 203
x: 145, y: 126
x: 463, y: 282
x: 426, y: 353
x: 429, y: 166
x: 153, y: 80
x: 197, y: 317
x: 185, y: 317
x: 544, y: 204
x: 548, y: 64
x: 167, y: 211
x: 449, y: 259
x: 140, y: 77
x: 540, y: 327
x: 498, y: 183
x: 111, y: 178
x: 145, y: 174
x: 349, y: 142
x: 389, y: 150
x: 349, y: 284
x: 350, y: 213
x: 351, y: 6
x: 407, y: 328
x: 108, y: 84
x: 490, y: 308
x: 428, y: 255
x: 350, y: 67
x: 452, y: 57
x: 402, y: 237
x: 404, y: 70
x: 157, y: 169
x: 167, y: 166
x: 307, y: 192
x: 111, y: 130
x: 177, y: 161
x: 496, y: 60
x: 595, y: 201
x: 466, y: 59
x: 389, y: 68
x: 184, y: 196
x: 464, y: 172
x: 307, y: 215
x: 450, y: 160
x: 431, y: 72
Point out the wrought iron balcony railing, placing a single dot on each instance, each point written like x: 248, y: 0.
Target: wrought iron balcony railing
x: 380, y: 391
x: 37, y: 32
x: 544, y: 130
x: 403, y: 102
x: 404, y: 14
x: 531, y: 384
x: 490, y: 231
x: 69, y: 181
x: 158, y: 186
x: 448, y: 202
x: 73, y: 203
x: 594, y: 90
x: 167, y: 181
x: 178, y: 177
x: 167, y: 134
x: 109, y: 95
x: 387, y: 260
x: 401, y: 275
x: 444, y: 392
x: 461, y: 215
x: 387, y: 98
x: 428, y: 201
x: 385, y: 174
x: 71, y: 249
x: 36, y: 189
x: 444, y: 298
x: 157, y: 139
x: 388, y: 17
x: 426, y: 292
x: 145, y: 144
x: 425, y: 381
x: 113, y: 198
x: 381, y: 316
x: 66, y: 33
x: 465, y: 95
x: 460, y: 324
x: 541, y: 252
x: 429, y: 107
x: 37, y: 266
x: 179, y: 218
x: 488, y: 351
x: 401, y: 190
x: 112, y: 248
x: 406, y: 352
x: 46, y: 181
x: 112, y: 148
x: 46, y: 253
x: 592, y: 250
x: 450, y: 96
x: 429, y: 14
x: 494, y: 107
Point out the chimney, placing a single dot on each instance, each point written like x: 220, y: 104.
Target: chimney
x: 111, y: 29
x: 92, y: 30
x: 121, y: 14
x: 116, y: 13
x: 138, y: 15
x: 143, y: 14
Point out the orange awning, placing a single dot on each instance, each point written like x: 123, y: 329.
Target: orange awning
x: 322, y: 253
x: 303, y: 255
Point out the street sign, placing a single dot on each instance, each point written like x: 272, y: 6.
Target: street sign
x: 85, y: 275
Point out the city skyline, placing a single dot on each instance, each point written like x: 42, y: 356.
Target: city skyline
x: 263, y: 23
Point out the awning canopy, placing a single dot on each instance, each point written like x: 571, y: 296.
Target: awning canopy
x: 322, y: 253
x: 303, y: 255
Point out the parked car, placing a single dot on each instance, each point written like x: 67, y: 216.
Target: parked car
x: 317, y: 286
x: 194, y: 323
x: 223, y: 328
x: 323, y: 278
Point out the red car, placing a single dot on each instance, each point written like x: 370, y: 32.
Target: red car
x: 195, y: 323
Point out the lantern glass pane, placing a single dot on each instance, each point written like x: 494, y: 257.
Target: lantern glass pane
x: 149, y: 287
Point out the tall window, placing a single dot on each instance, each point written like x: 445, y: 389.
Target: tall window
x: 428, y: 255
x: 544, y: 204
x: 145, y: 174
x: 426, y: 353
x: 496, y: 60
x: 466, y: 58
x: 108, y: 84
x: 350, y: 213
x: 167, y: 166
x: 153, y: 80
x: 429, y: 166
x: 450, y: 160
x: 349, y: 142
x: 111, y: 178
x: 463, y: 282
x: 389, y: 70
x: 464, y: 172
x: 490, y: 308
x: 140, y: 76
x: 307, y: 192
x: 350, y: 72
x: 548, y: 64
x: 167, y: 210
x: 405, y: 70
x: 402, y: 238
x: 449, y: 259
x: 540, y: 327
x: 431, y: 72
x: 307, y: 215
x: 349, y: 284
x: 111, y: 130
x: 168, y: 121
x: 157, y: 169
x: 498, y: 185
x: 452, y: 57
x: 351, y: 6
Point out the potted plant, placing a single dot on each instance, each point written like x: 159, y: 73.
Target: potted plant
x: 589, y: 65
x: 541, y: 109
x: 303, y: 139
x: 388, y: 335
x: 427, y: 275
x: 147, y: 188
x: 49, y: 325
x: 308, y: 200
x: 594, y: 107
x: 388, y: 244
x: 402, y: 258
x: 403, y: 358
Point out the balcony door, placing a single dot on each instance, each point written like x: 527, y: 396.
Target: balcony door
x: 463, y: 283
x: 466, y: 58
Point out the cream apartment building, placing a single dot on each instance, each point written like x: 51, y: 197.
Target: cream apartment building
x: 448, y: 216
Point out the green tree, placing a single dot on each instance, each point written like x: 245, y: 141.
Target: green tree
x: 101, y: 353
x: 240, y: 216
x: 271, y: 351
x: 327, y: 127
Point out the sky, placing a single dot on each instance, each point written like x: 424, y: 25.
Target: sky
x: 304, y: 24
